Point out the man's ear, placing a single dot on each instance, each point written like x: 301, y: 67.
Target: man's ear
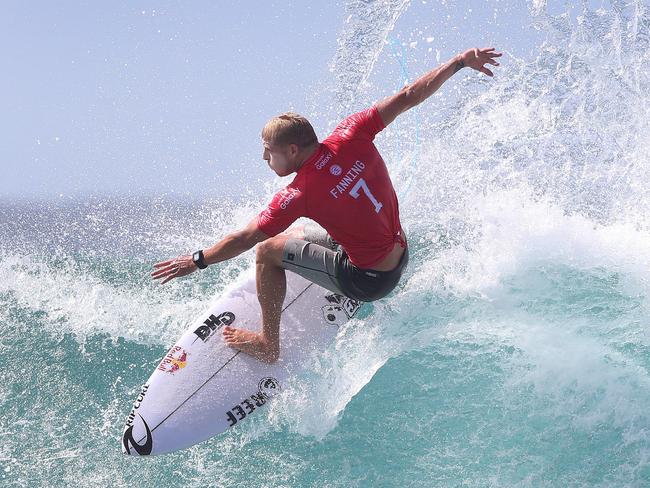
x: 294, y: 149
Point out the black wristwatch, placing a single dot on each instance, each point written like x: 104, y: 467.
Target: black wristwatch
x: 197, y: 257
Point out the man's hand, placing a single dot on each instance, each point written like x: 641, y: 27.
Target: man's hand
x: 230, y: 246
x: 173, y: 268
x: 425, y: 86
x: 476, y: 58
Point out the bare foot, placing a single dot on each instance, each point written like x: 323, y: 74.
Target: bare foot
x: 250, y: 343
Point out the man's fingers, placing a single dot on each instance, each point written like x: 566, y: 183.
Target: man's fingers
x: 160, y: 272
x: 170, y: 277
x: 486, y: 71
x: 163, y: 263
x: 161, y: 275
x: 491, y: 56
x: 171, y: 274
x: 173, y: 269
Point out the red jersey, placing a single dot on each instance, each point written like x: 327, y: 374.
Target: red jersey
x: 344, y: 186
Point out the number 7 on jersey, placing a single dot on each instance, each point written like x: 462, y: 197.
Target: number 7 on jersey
x: 361, y: 185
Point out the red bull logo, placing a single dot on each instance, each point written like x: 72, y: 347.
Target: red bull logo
x: 174, y: 360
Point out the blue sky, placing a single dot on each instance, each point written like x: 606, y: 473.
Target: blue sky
x: 160, y: 98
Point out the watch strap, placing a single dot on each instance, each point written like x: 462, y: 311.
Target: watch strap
x: 199, y: 259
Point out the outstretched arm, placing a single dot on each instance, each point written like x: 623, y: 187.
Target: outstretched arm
x: 425, y: 86
x: 230, y: 246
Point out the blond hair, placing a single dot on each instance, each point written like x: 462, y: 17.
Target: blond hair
x: 289, y: 128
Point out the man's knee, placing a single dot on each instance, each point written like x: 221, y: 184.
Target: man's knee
x: 296, y: 232
x: 271, y: 250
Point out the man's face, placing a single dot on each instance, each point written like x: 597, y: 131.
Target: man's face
x: 279, y: 158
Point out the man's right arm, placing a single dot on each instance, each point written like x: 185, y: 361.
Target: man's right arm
x: 425, y: 86
x: 230, y: 246
x: 234, y: 244
x: 286, y: 206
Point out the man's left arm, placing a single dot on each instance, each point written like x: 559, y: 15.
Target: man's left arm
x: 230, y: 246
x: 425, y: 86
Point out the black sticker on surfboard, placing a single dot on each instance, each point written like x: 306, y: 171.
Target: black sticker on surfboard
x: 340, y: 310
x: 129, y: 442
x: 212, y: 324
x: 267, y: 388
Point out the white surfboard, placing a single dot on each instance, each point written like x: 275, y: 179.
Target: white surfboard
x: 202, y: 387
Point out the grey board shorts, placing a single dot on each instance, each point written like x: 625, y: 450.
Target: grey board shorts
x: 323, y: 261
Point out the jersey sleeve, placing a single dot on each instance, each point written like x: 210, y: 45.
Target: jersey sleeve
x: 362, y: 125
x: 285, y: 208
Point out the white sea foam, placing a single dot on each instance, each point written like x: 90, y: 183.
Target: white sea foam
x: 528, y: 225
x: 526, y: 177
x: 76, y: 301
x: 514, y: 231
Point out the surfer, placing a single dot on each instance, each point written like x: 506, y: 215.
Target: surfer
x: 359, y: 248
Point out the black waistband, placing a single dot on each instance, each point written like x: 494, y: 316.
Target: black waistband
x: 397, y: 270
x: 368, y: 285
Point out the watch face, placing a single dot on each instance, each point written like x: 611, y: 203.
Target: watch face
x: 197, y: 257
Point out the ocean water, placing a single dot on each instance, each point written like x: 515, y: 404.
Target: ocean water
x: 515, y: 352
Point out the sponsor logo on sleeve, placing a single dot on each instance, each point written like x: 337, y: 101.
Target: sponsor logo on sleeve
x: 340, y: 309
x: 264, y: 217
x: 288, y: 194
x: 346, y: 125
x: 212, y: 324
x: 267, y: 388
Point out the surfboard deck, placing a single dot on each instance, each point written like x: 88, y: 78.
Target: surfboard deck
x: 202, y: 387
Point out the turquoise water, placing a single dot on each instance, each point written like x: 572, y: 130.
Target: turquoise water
x: 514, y: 353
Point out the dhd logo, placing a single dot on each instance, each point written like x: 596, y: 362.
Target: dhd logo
x: 212, y: 324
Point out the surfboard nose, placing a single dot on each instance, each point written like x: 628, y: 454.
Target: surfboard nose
x: 137, y: 441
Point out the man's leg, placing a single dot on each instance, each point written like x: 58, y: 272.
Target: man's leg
x: 271, y: 284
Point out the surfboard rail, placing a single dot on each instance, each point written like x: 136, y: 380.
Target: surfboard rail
x: 202, y: 387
